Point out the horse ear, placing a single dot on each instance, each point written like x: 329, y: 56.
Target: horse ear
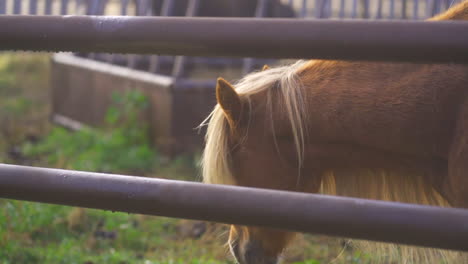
x: 229, y: 101
x: 265, y: 67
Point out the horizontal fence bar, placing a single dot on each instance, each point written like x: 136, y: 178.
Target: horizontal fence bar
x: 337, y: 216
x: 416, y: 41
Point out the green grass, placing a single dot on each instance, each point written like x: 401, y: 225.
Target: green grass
x: 43, y: 233
x: 123, y: 146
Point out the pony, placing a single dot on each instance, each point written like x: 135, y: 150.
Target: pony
x: 376, y: 130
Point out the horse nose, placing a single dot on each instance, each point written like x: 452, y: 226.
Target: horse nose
x: 255, y: 254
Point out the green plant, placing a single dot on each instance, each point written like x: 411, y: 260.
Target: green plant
x: 122, y: 146
x: 24, y: 100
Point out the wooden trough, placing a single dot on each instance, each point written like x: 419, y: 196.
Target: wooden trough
x: 82, y: 89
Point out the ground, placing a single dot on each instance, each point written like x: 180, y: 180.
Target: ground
x: 43, y: 233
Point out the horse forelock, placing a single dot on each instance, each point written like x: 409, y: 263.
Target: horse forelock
x: 283, y: 89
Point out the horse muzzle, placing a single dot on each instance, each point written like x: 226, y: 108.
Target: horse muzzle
x: 253, y: 253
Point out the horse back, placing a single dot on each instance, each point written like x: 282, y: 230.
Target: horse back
x: 402, y: 107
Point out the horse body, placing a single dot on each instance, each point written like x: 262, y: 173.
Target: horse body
x: 390, y: 131
x: 405, y: 111
x: 407, y: 118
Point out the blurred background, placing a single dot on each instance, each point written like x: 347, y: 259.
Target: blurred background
x: 136, y: 114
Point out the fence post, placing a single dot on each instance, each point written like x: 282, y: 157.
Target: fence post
x: 123, y: 7
x: 304, y: 10
x: 392, y: 9
x: 167, y: 9
x: 365, y: 9
x: 2, y: 7
x: 342, y: 9
x: 33, y: 7
x: 416, y: 9
x: 354, y: 9
x: 17, y: 7
x: 64, y: 7
x: 404, y: 5
x: 180, y: 61
x: 48, y: 7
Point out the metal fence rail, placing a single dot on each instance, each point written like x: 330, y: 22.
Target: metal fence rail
x: 337, y: 216
x: 444, y: 41
x: 180, y: 67
x: 389, y: 9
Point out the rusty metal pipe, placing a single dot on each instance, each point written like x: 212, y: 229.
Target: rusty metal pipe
x: 416, y: 41
x: 335, y: 216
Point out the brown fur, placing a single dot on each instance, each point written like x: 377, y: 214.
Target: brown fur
x: 390, y: 131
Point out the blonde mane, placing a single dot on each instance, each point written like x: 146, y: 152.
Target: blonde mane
x: 369, y: 184
x: 215, y: 161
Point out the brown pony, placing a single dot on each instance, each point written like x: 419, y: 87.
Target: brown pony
x: 388, y: 131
